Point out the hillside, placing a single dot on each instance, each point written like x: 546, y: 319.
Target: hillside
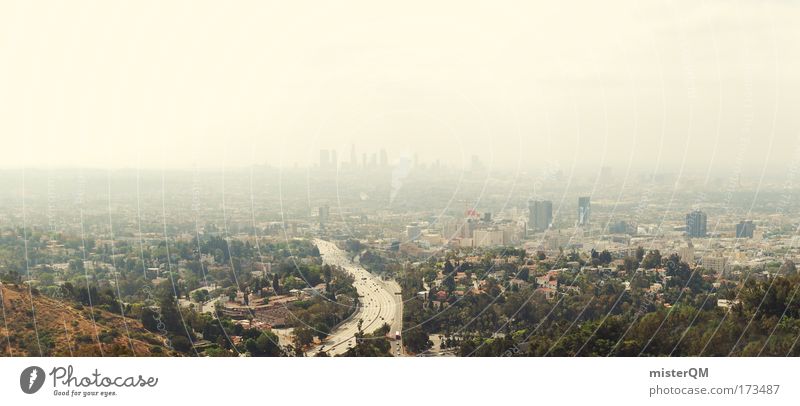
x: 67, y: 329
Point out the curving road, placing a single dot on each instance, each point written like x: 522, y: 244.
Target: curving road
x: 380, y: 302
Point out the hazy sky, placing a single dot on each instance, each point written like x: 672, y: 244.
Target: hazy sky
x: 177, y: 83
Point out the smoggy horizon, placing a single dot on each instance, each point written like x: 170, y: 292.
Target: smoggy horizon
x: 656, y: 87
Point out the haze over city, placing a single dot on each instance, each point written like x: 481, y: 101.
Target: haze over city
x: 659, y: 86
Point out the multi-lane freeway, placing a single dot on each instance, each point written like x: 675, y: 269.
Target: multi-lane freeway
x: 380, y: 303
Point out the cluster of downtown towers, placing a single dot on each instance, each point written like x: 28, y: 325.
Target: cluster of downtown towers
x: 540, y: 213
x: 540, y: 218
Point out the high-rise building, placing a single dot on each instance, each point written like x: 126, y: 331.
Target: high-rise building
x: 540, y: 214
x: 489, y: 238
x: 622, y: 227
x: 353, y: 159
x: 384, y: 158
x: 413, y: 231
x: 716, y: 263
x: 584, y: 210
x: 745, y: 229
x: 324, y: 158
x: 324, y: 214
x: 334, y: 160
x: 696, y: 224
x: 476, y: 165
x: 686, y: 254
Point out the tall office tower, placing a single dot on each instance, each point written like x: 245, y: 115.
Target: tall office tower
x: 353, y: 159
x: 413, y: 231
x: 531, y: 214
x: 476, y: 165
x: 363, y: 159
x: 324, y: 158
x: 334, y: 160
x: 696, y: 224
x: 745, y: 229
x: 540, y: 214
x: 324, y: 214
x: 384, y: 158
x: 584, y: 210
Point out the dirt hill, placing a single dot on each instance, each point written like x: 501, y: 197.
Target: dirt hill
x: 67, y: 329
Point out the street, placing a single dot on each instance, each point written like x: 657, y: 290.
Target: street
x: 380, y: 303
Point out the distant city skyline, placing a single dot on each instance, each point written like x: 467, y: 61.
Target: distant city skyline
x: 663, y: 87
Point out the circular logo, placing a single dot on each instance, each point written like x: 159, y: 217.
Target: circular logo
x: 31, y: 379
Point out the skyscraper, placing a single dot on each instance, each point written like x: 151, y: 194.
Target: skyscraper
x: 540, y: 214
x: 696, y: 224
x: 745, y: 229
x: 324, y: 158
x: 584, y: 210
x: 324, y: 214
x: 413, y: 231
x: 384, y: 158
